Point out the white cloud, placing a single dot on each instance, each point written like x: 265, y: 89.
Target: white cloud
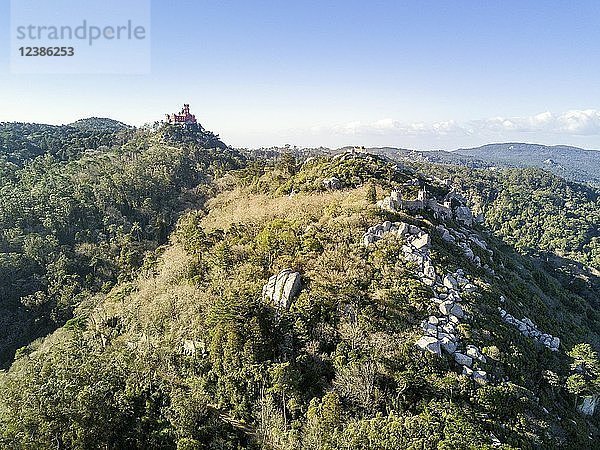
x: 573, y: 122
x: 581, y: 122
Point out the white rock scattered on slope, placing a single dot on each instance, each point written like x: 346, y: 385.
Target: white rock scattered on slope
x: 439, y: 333
x: 528, y: 329
x: 430, y: 344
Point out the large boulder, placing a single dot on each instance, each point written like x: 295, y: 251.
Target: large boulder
x: 431, y: 344
x: 588, y: 404
x: 450, y: 282
x: 282, y: 288
x: 463, y: 359
x: 421, y: 242
x: 449, y: 345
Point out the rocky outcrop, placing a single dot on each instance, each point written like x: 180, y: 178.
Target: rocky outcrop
x: 464, y: 215
x: 281, y: 289
x: 463, y: 239
x: 416, y: 237
x: 528, y: 329
x: 442, y: 329
x: 448, y: 291
x: 439, y: 332
x: 588, y: 404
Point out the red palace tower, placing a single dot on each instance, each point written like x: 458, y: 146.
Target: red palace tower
x: 183, y: 118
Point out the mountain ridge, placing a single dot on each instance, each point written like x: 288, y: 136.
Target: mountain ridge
x: 188, y: 297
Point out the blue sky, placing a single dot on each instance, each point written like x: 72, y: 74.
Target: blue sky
x: 418, y: 74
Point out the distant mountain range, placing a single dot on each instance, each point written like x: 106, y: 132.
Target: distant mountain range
x: 571, y: 163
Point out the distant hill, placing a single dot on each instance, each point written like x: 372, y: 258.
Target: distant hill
x: 572, y: 163
x: 437, y: 156
x: 22, y: 142
x: 99, y: 124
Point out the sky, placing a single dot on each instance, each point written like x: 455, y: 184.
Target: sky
x: 412, y: 74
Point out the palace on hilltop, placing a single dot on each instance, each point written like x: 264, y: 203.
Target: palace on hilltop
x: 183, y: 118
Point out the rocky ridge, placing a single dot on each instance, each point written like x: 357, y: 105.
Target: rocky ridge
x: 440, y: 330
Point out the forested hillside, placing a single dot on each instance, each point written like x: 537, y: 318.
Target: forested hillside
x: 572, y: 163
x: 534, y: 210
x: 203, y: 299
x: 72, y: 228
x: 22, y: 142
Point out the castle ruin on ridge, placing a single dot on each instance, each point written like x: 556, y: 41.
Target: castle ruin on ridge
x: 453, y: 205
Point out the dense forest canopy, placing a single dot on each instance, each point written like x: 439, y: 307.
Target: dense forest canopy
x: 134, y: 277
x: 69, y: 228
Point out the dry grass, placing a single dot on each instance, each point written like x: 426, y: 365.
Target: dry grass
x: 238, y: 206
x: 162, y: 304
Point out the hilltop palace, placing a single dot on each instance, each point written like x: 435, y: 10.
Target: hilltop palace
x: 184, y: 118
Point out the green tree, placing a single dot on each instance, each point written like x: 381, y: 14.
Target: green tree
x: 586, y: 379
